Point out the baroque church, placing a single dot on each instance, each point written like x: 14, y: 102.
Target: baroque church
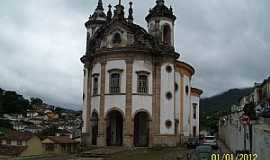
x: 137, y: 90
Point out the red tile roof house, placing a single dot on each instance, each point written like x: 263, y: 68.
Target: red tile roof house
x: 60, y: 145
x: 16, y: 144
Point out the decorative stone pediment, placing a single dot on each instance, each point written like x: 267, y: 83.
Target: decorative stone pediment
x: 117, y: 34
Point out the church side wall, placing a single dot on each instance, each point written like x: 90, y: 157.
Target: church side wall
x: 177, y: 95
x: 187, y: 107
x: 95, y: 102
x: 167, y: 105
x: 195, y: 122
x: 84, y: 114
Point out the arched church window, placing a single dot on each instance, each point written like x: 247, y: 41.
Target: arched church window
x: 167, y: 35
x: 187, y: 90
x: 194, y: 110
x: 115, y: 83
x: 142, y: 84
x: 176, y: 87
x: 95, y: 85
x: 117, y: 38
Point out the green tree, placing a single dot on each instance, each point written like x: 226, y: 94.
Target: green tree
x: 1, y: 99
x: 5, y: 124
x: 36, y: 101
x: 14, y: 103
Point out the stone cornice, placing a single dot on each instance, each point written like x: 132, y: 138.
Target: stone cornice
x: 143, y: 72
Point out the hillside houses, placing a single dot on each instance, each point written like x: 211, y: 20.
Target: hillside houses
x: 45, y: 117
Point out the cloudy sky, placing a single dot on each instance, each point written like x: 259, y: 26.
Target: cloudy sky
x: 41, y: 41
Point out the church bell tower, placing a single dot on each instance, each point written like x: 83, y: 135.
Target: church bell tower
x: 96, y: 20
x: 160, y: 22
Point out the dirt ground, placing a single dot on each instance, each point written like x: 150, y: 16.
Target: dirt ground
x: 178, y: 153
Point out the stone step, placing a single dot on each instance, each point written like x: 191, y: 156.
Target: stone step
x: 105, y: 153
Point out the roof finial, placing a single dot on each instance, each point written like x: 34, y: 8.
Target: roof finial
x: 160, y: 2
x: 130, y: 11
x: 120, y: 2
x: 109, y: 13
x: 100, y: 5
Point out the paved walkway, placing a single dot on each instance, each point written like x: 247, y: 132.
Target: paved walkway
x: 223, y: 149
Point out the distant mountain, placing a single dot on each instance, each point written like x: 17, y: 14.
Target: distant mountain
x: 223, y: 101
x: 209, y: 107
x: 13, y: 103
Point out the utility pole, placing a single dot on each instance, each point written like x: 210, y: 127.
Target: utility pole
x: 245, y: 141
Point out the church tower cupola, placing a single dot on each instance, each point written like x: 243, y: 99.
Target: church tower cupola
x: 96, y: 20
x: 161, y: 23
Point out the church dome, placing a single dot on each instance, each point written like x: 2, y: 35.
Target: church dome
x: 160, y: 10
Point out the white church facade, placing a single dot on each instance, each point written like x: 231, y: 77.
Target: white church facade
x: 137, y: 91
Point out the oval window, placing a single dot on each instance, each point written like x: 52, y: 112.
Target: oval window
x: 169, y: 95
x: 168, y: 123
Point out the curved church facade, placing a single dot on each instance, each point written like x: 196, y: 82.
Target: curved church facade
x: 137, y: 91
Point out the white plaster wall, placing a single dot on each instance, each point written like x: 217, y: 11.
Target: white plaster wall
x: 115, y: 101
x: 141, y: 103
x: 95, y: 103
x: 96, y: 70
x: 187, y: 107
x: 177, y: 94
x: 196, y: 122
x: 261, y: 141
x: 84, y: 114
x: 167, y: 106
x: 117, y: 64
x: 232, y: 133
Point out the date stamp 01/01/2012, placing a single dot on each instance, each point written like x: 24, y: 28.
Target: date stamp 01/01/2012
x: 234, y: 157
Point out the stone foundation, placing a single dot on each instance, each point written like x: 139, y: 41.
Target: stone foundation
x: 101, y: 141
x: 166, y: 140
x: 128, y: 141
x: 157, y: 140
x: 86, y: 139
